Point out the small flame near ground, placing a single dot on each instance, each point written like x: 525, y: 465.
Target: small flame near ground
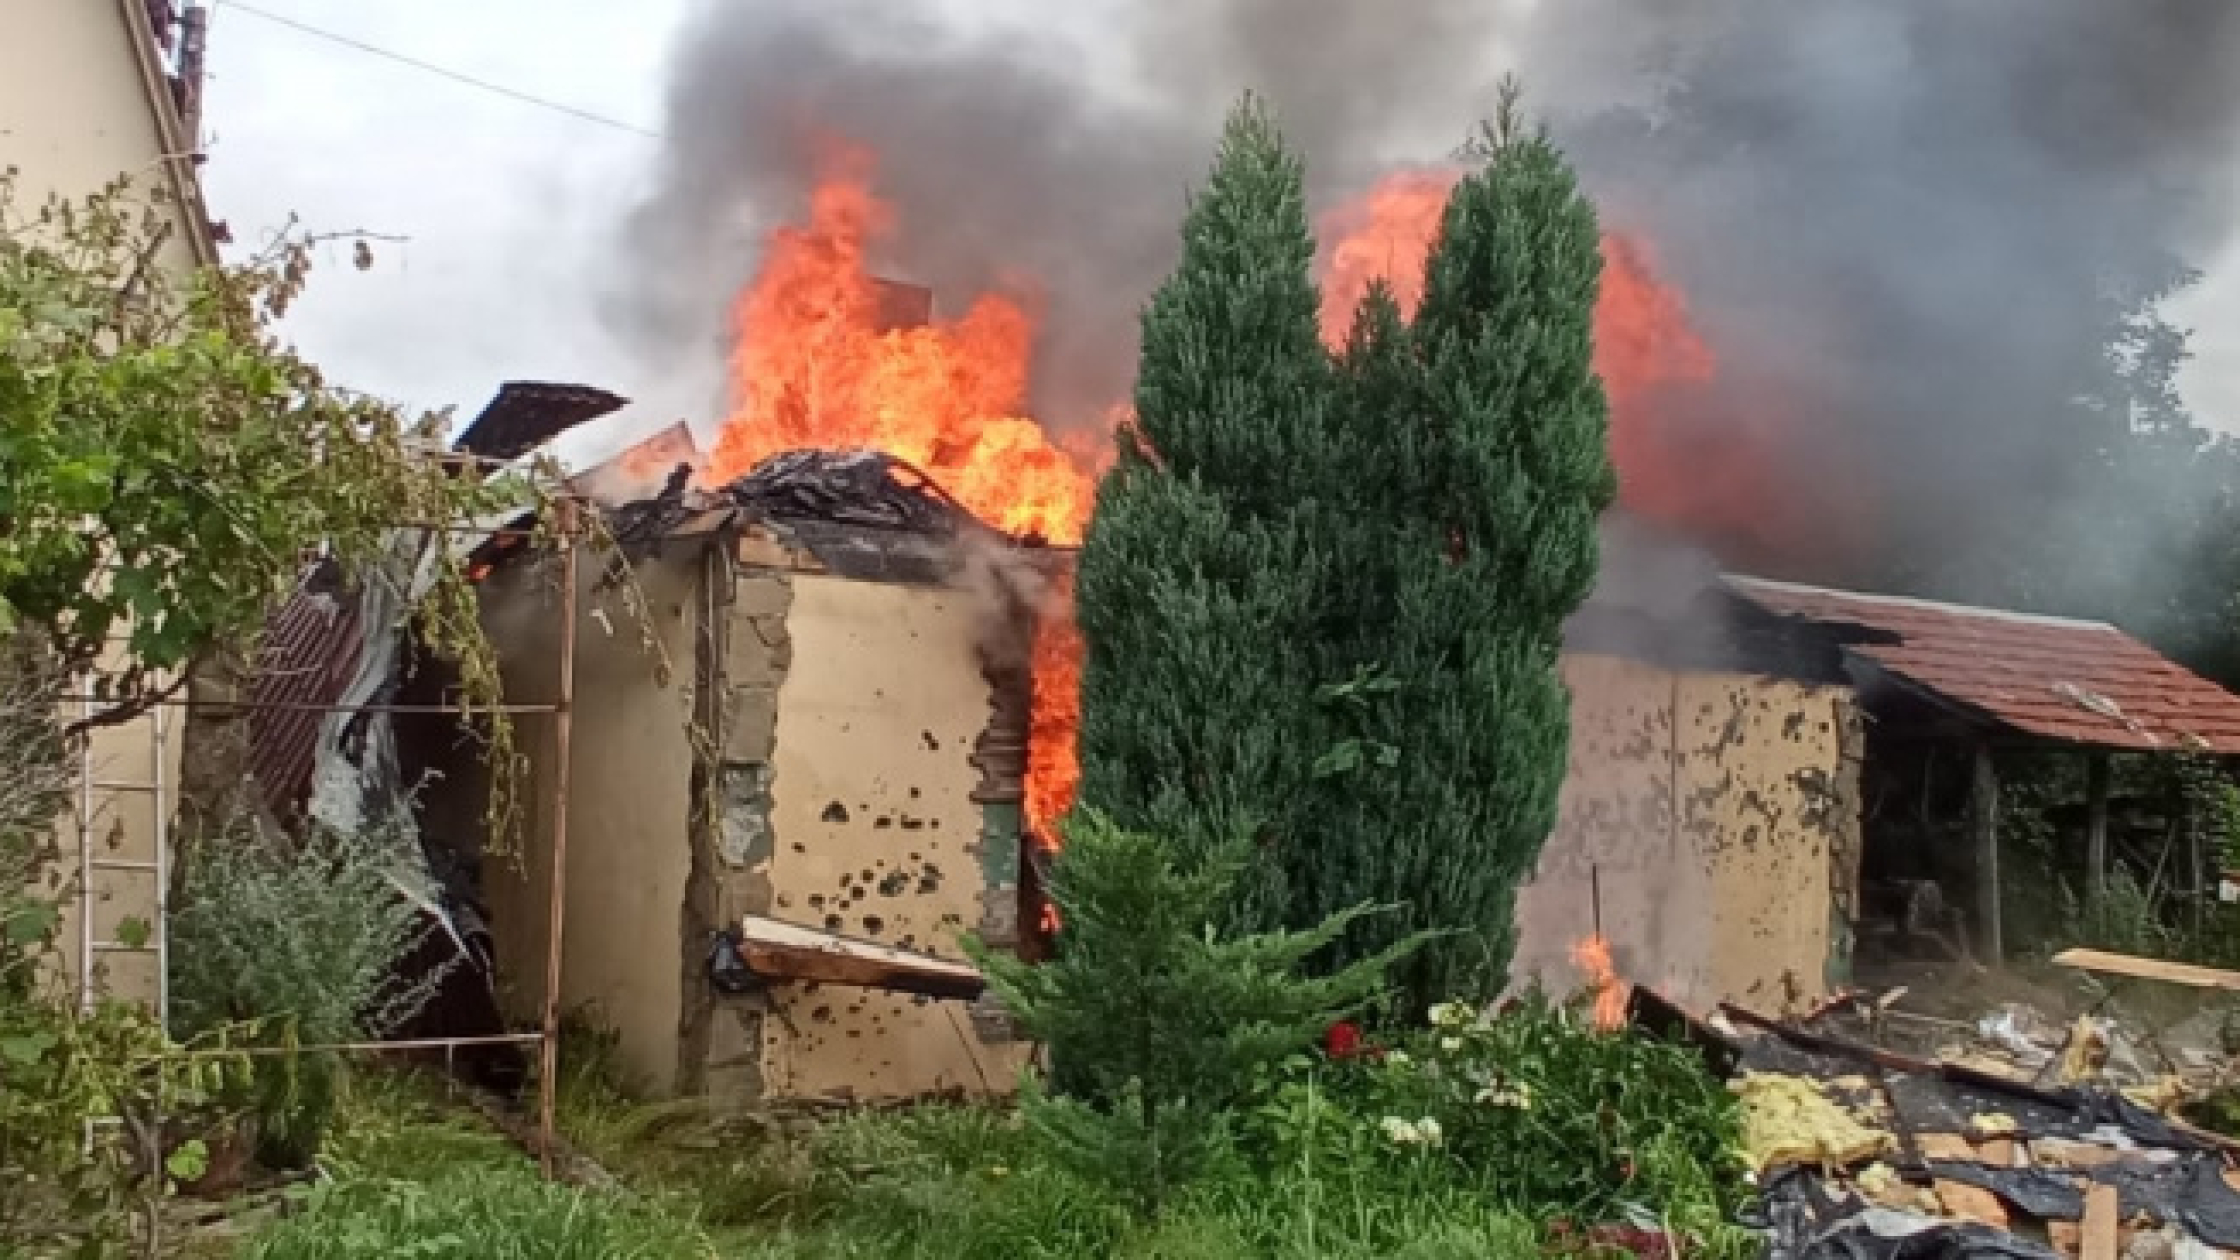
x: 1611, y: 994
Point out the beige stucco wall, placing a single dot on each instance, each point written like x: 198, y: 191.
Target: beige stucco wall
x: 115, y: 805
x: 876, y: 834
x: 77, y: 109
x: 1712, y: 807
x: 629, y: 803
x: 76, y: 112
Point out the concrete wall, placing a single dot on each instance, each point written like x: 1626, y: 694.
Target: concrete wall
x: 629, y: 803
x: 1720, y: 813
x: 874, y: 832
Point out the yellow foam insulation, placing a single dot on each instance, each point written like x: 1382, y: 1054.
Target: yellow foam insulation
x: 1788, y: 1120
x: 1993, y: 1124
x: 2164, y: 1094
x: 1882, y: 1185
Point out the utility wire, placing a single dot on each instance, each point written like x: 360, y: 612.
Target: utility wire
x: 515, y: 94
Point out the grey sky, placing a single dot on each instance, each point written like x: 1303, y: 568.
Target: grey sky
x: 508, y: 207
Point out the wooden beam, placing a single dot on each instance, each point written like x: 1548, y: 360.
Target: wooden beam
x: 790, y: 953
x: 2185, y: 974
x: 2096, y: 830
x: 1983, y: 817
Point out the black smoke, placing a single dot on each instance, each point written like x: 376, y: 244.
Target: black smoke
x: 1911, y: 229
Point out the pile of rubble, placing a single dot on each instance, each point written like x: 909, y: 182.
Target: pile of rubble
x: 2015, y: 1138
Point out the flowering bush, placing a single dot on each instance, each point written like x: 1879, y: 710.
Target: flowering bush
x: 1530, y: 1107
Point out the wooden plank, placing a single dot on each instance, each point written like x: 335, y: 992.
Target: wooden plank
x: 1973, y: 1203
x: 1950, y: 1147
x: 1997, y: 1152
x: 2096, y: 828
x: 2149, y: 969
x: 782, y: 951
x: 2103, y: 1223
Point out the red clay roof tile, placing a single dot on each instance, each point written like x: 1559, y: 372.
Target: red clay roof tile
x: 2081, y: 682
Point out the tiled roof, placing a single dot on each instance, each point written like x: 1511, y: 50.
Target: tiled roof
x: 2081, y: 682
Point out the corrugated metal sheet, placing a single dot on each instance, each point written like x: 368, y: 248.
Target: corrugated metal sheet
x: 309, y: 652
x: 527, y: 414
x: 2080, y: 682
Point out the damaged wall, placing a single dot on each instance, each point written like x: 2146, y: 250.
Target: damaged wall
x: 873, y: 831
x: 628, y: 805
x: 1720, y: 812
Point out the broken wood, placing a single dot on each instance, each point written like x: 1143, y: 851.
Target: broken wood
x: 2103, y: 1223
x: 1971, y: 1203
x: 787, y: 952
x: 2105, y: 963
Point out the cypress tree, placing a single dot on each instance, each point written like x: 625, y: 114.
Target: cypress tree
x: 1480, y: 543
x: 1323, y: 599
x: 1199, y: 572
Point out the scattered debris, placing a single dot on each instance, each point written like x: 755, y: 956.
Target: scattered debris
x: 2028, y: 1140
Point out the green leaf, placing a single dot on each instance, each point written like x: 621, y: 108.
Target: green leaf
x: 189, y: 1161
x: 30, y: 922
x: 26, y: 1048
x: 133, y: 933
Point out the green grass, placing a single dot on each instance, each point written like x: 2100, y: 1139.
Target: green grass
x: 417, y: 1175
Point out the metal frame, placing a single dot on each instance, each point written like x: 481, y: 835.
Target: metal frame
x: 547, y: 1037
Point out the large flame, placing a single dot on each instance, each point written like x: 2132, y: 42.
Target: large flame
x: 1645, y: 346
x: 819, y: 363
x: 823, y: 361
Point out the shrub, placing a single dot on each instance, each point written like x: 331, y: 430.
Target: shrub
x: 1530, y: 1109
x: 305, y: 942
x: 1159, y: 1024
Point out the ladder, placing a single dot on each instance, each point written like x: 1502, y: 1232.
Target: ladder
x: 156, y: 869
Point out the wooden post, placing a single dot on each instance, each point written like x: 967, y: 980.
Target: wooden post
x: 2201, y: 881
x: 2096, y: 830
x: 1983, y: 817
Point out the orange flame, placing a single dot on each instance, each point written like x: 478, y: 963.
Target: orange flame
x: 1646, y: 349
x: 1611, y: 995
x: 1053, y: 761
x: 828, y: 356
x: 819, y: 362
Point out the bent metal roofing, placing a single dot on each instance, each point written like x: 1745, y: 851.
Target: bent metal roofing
x: 2078, y: 682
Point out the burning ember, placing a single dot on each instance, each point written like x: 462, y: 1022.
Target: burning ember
x: 1611, y: 994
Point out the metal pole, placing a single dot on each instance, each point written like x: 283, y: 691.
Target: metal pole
x: 548, y: 1075
x: 162, y: 873
x: 85, y: 859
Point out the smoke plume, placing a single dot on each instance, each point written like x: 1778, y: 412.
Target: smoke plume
x: 1905, y: 226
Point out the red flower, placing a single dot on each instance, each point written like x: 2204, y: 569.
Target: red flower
x: 1343, y: 1041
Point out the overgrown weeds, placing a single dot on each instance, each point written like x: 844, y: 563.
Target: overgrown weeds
x: 302, y: 937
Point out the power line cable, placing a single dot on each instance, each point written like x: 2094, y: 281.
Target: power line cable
x: 500, y: 89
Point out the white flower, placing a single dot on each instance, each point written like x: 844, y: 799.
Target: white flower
x: 1518, y: 1096
x: 1450, y: 1015
x: 1432, y: 1133
x: 1397, y: 1058
x: 1450, y: 1044
x: 1401, y: 1132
